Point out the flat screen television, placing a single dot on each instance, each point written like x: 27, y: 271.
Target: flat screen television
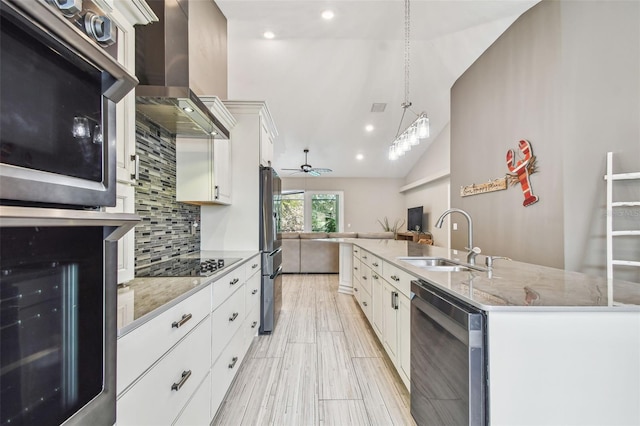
x: 414, y: 219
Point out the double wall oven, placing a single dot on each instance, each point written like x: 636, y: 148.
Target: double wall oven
x: 59, y: 87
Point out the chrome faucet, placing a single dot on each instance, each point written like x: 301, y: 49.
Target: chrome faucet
x: 472, y: 251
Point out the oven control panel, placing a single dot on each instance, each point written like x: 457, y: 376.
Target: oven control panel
x: 89, y: 19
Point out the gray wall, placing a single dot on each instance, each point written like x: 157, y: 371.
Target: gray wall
x: 365, y: 199
x: 432, y: 195
x: 165, y: 229
x: 565, y: 77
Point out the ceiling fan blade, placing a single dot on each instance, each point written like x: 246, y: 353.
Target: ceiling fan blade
x: 313, y: 172
x: 318, y: 170
x: 297, y: 170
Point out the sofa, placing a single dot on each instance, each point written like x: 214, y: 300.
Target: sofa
x: 302, y: 252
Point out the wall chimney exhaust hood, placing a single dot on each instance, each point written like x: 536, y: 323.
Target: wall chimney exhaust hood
x: 162, y: 66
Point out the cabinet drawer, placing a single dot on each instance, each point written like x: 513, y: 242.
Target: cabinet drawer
x: 398, y: 278
x: 140, y: 348
x: 252, y: 267
x: 356, y: 252
x: 365, y: 304
x: 162, y: 393
x: 225, y: 321
x: 222, y: 288
x: 224, y: 370
x: 372, y: 261
x: 251, y: 326
x: 197, y: 410
x: 365, y: 278
x: 357, y: 268
x: 252, y: 291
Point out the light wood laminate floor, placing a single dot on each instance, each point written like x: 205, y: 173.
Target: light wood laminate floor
x: 323, y: 365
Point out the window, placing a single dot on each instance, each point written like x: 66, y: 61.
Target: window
x: 311, y: 211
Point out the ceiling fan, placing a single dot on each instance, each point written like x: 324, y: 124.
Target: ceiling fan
x: 306, y: 167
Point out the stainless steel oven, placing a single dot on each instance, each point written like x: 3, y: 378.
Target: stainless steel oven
x: 448, y: 359
x: 59, y: 87
x: 58, y: 315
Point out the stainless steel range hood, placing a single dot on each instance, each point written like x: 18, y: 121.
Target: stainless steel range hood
x: 162, y: 66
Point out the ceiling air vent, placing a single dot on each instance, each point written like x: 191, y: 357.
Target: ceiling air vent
x: 378, y: 107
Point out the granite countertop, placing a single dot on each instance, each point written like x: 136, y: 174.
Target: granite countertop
x: 510, y: 285
x: 153, y: 295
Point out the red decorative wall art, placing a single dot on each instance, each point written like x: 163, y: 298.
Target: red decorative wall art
x: 521, y: 170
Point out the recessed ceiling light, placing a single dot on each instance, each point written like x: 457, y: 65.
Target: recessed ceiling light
x: 359, y: 157
x: 188, y: 109
x: 328, y: 14
x: 269, y: 35
x: 369, y: 128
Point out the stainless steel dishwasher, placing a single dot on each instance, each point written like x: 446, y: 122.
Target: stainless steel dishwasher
x: 448, y: 360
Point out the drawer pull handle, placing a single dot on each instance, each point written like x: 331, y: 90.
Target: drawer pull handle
x: 375, y: 264
x: 395, y: 278
x: 254, y: 266
x: 233, y: 362
x: 255, y: 290
x: 355, y: 289
x: 183, y: 380
x: 233, y: 317
x: 374, y: 276
x: 178, y: 324
x: 234, y: 281
x: 364, y: 256
x: 364, y: 303
x: 355, y: 267
x: 364, y: 277
x: 253, y: 324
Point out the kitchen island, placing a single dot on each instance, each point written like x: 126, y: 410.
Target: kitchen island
x: 561, y: 347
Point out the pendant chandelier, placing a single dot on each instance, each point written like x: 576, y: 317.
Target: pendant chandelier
x: 419, y: 128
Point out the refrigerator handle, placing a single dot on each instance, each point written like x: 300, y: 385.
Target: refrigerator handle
x: 276, y: 273
x: 276, y: 251
x: 275, y: 223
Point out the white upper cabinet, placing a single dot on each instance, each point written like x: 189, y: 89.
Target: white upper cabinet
x: 203, y: 166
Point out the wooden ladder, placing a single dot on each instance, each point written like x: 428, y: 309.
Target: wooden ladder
x: 611, y: 177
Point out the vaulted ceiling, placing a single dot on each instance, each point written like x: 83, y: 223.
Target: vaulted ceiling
x: 320, y: 77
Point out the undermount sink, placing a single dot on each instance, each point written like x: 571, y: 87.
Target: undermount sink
x: 439, y: 264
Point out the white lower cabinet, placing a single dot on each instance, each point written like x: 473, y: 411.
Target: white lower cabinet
x: 390, y: 321
x: 197, y: 411
x: 160, y: 394
x: 376, y: 304
x: 404, y: 339
x: 176, y: 368
x: 382, y: 291
x: 225, y: 368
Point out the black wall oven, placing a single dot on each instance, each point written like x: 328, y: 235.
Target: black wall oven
x: 59, y: 87
x: 58, y: 315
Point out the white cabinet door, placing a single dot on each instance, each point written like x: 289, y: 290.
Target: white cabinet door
x: 203, y: 174
x: 404, y: 339
x: 222, y: 171
x: 390, y: 321
x: 194, y: 170
x: 266, y: 146
x: 125, y: 203
x: 376, y: 304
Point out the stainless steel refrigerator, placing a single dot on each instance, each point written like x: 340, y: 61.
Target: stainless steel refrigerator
x: 271, y: 247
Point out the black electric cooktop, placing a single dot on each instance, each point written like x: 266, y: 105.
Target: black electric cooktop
x: 186, y: 267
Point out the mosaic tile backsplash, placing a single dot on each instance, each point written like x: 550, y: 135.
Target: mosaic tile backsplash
x: 166, y: 227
